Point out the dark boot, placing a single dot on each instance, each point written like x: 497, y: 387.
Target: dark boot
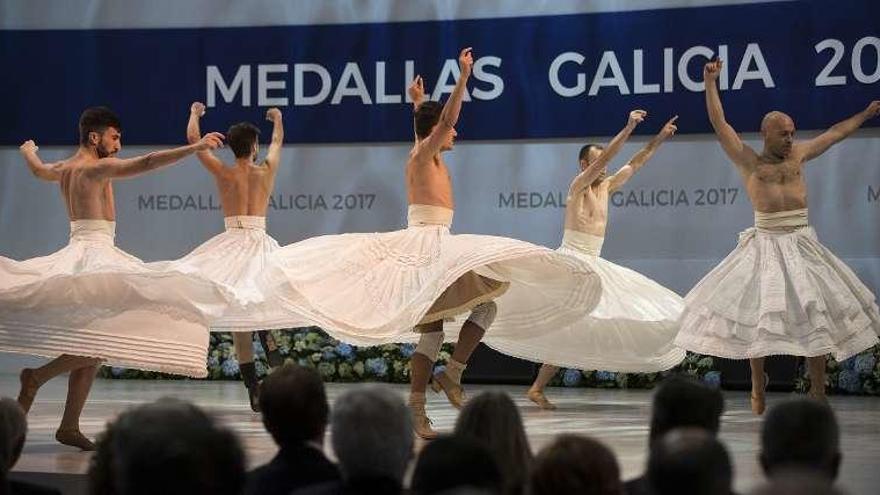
x: 249, y: 375
x: 273, y: 355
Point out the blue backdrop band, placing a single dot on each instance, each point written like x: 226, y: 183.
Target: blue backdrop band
x: 536, y: 77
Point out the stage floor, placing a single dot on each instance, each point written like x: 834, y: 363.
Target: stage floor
x: 617, y: 417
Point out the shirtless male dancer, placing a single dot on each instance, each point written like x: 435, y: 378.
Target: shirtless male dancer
x: 86, y: 181
x: 780, y: 291
x: 633, y: 327
x: 428, y: 183
x: 237, y: 256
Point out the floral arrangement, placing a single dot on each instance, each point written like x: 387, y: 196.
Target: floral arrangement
x: 858, y: 375
x: 341, y: 362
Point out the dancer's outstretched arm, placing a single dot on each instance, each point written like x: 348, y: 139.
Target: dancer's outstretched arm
x: 639, y: 159
x: 193, y: 134
x: 273, y: 157
x: 739, y: 153
x: 38, y: 168
x: 431, y: 145
x: 595, y: 168
x: 838, y: 132
x: 416, y: 93
x: 614, y: 146
x: 120, y: 168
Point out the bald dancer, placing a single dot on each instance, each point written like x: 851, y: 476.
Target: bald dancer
x: 780, y: 291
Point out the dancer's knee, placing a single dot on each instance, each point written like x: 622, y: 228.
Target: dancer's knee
x: 483, y: 315
x: 429, y: 344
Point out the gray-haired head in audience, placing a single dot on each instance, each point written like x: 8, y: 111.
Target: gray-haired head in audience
x: 372, y: 433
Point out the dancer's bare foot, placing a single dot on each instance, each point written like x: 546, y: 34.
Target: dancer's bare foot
x: 74, y: 438
x: 538, y: 397
x: 29, y: 387
x: 454, y: 392
x: 759, y: 402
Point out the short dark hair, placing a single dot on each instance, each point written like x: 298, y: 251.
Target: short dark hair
x: 576, y: 464
x: 170, y: 447
x: 689, y: 460
x: 584, y: 153
x: 97, y: 119
x: 800, y: 433
x: 241, y: 138
x: 684, y: 401
x: 454, y: 462
x: 493, y: 418
x: 294, y: 404
x: 426, y: 117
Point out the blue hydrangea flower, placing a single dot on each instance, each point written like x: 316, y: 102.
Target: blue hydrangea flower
x: 407, y: 350
x: 440, y: 368
x: 377, y: 366
x: 606, y: 376
x: 116, y: 371
x: 230, y: 367
x: 329, y: 355
x: 258, y: 348
x: 344, y: 350
x: 849, y: 381
x: 849, y: 363
x: 713, y: 378
x: 864, y: 363
x: 571, y: 378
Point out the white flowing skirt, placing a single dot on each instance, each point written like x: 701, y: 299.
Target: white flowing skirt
x: 236, y: 258
x: 368, y: 289
x: 632, y: 329
x: 92, y: 299
x: 779, y: 293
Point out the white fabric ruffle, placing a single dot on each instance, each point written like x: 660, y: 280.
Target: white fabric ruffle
x: 92, y: 299
x: 631, y: 329
x: 236, y: 258
x: 370, y: 289
x: 780, y: 292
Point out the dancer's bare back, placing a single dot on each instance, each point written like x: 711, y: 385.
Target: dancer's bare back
x: 244, y: 186
x: 86, y: 180
x: 87, y: 194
